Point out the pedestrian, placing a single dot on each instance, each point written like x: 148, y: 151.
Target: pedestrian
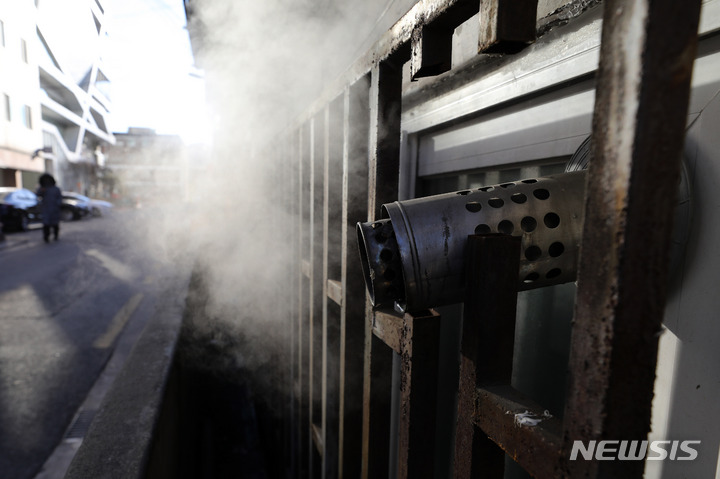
x: 50, y: 206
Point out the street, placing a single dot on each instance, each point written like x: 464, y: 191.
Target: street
x: 62, y: 307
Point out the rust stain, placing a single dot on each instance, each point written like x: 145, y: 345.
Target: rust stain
x: 446, y: 236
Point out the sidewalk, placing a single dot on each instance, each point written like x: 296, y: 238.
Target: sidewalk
x: 115, y: 424
x: 57, y: 464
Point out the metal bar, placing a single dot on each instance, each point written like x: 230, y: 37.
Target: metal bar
x: 295, y: 181
x: 522, y: 428
x: 311, y: 295
x: 389, y: 329
x: 333, y: 251
x: 325, y: 266
x: 431, y: 52
x: 506, y: 26
x: 384, y: 151
x: 316, y: 433
x: 487, y: 345
x: 638, y: 127
x: 376, y: 409
x: 303, y: 310
x: 317, y: 295
x: 305, y: 268
x: 432, y: 40
x: 419, y: 349
x: 335, y: 187
x: 383, y: 172
x: 352, y: 310
x: 288, y: 396
x: 334, y: 291
x: 397, y: 39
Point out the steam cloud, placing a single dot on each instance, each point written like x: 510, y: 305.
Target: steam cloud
x: 265, y: 62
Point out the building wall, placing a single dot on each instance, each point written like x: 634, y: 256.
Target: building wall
x: 21, y: 134
x: 148, y: 168
x: 55, y: 103
x: 74, y: 109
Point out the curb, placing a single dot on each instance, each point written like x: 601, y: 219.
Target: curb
x: 122, y: 432
x: 102, y: 395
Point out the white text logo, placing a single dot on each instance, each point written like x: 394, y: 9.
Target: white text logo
x: 634, y: 450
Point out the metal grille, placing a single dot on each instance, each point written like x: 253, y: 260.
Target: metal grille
x: 345, y: 153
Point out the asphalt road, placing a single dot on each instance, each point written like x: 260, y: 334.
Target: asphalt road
x: 62, y: 307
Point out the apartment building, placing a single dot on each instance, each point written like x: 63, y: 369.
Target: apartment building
x: 55, y: 93
x: 147, y: 167
x: 20, y: 118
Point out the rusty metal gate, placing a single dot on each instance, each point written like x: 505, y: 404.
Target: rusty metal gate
x: 346, y: 161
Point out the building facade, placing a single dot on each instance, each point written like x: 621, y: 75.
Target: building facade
x: 55, y: 94
x: 146, y: 168
x: 20, y: 120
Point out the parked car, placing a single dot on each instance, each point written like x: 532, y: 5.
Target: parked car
x: 96, y: 207
x: 74, y: 206
x: 18, y: 208
x: 100, y: 207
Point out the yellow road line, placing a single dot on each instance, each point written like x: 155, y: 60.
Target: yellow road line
x: 118, y: 323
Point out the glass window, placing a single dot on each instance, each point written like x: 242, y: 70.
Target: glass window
x: 27, y: 116
x: 23, y: 50
x: 8, y: 115
x: 435, y: 185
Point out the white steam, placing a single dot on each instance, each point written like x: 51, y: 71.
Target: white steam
x: 264, y: 63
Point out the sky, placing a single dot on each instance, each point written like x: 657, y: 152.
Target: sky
x: 154, y: 82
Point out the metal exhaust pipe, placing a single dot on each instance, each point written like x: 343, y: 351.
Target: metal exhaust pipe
x: 414, y: 257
